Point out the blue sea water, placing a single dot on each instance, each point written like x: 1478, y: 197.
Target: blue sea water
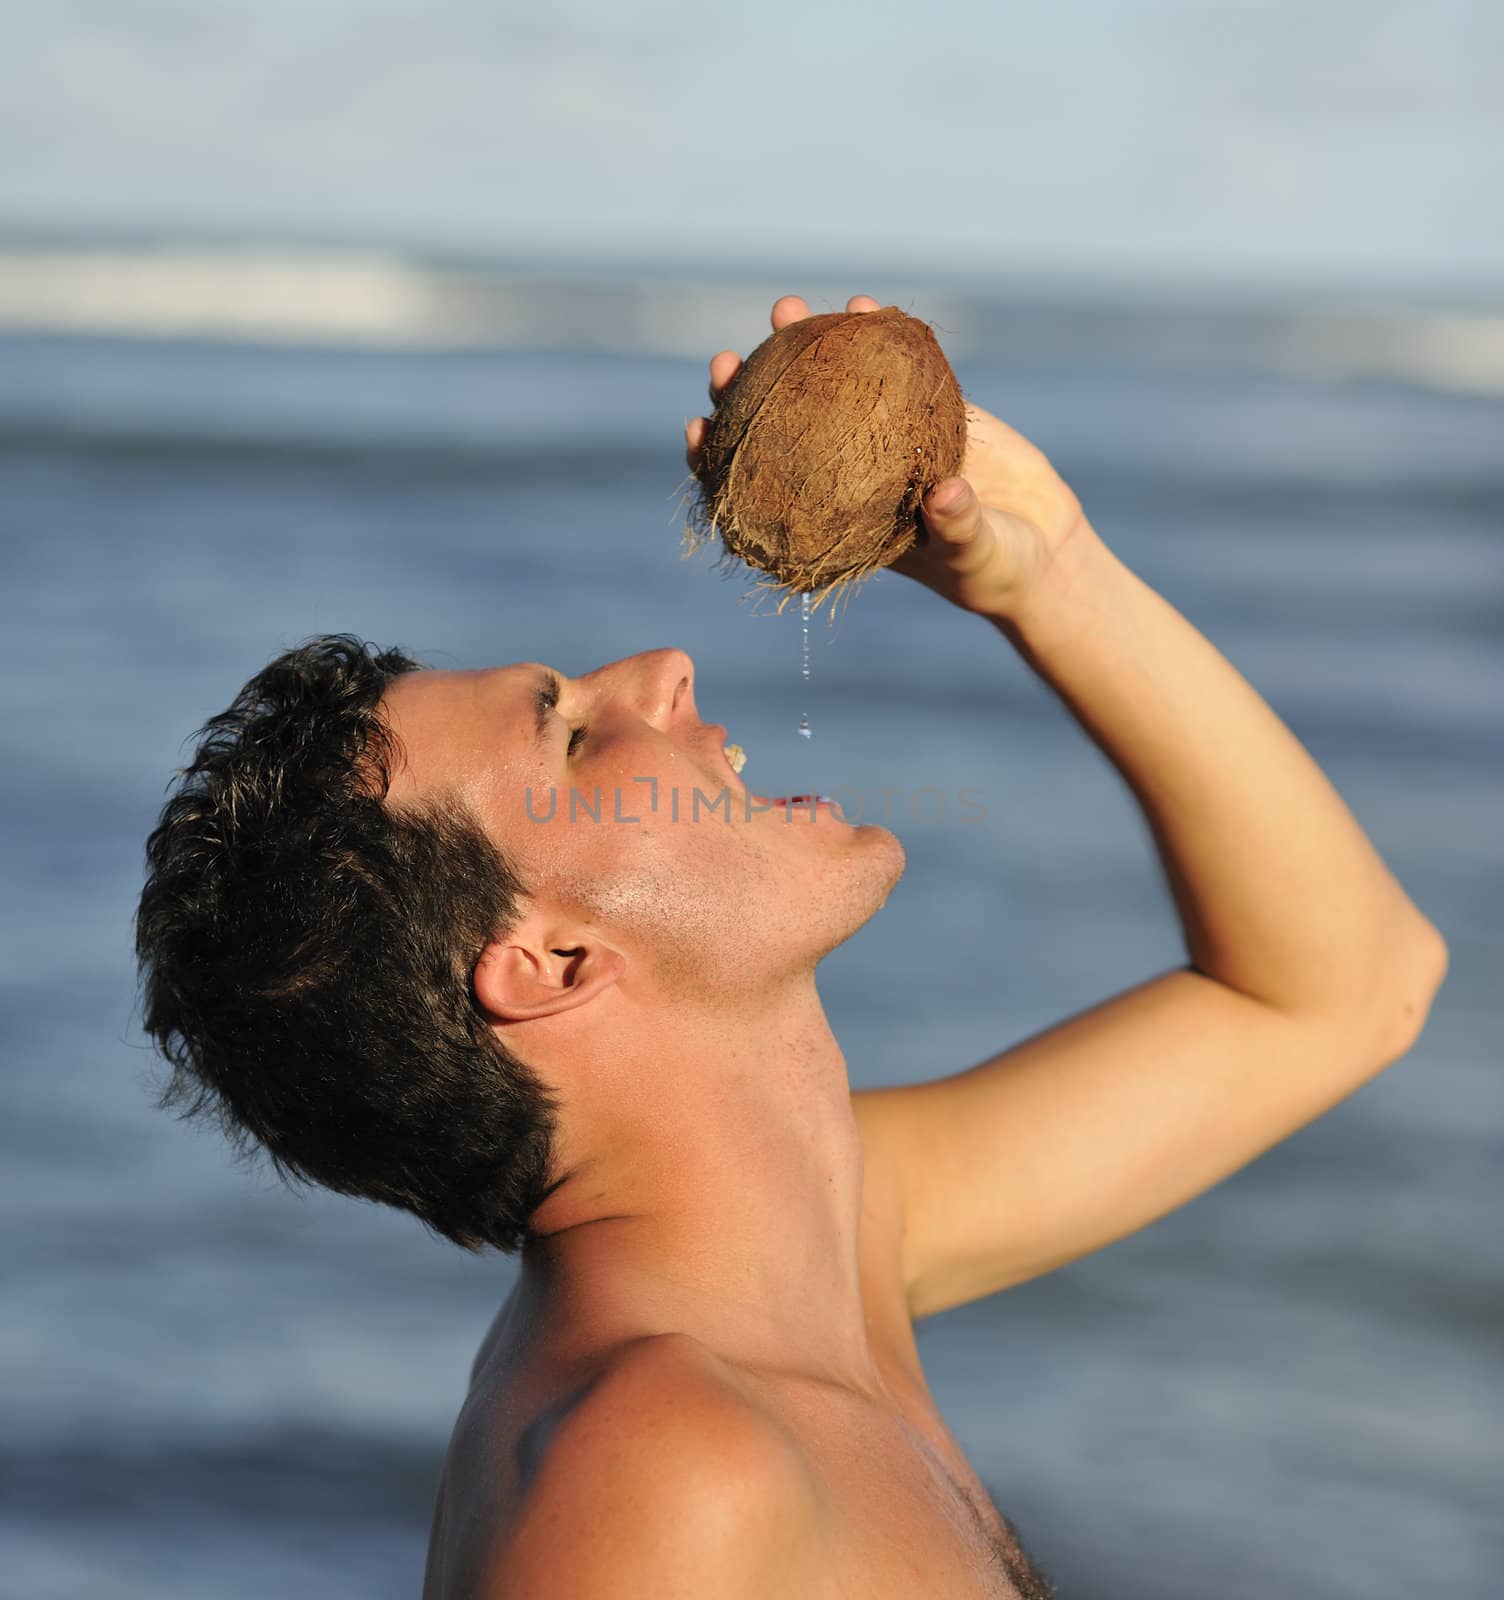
x: 211, y: 1387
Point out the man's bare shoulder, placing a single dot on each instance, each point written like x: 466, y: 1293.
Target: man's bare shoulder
x: 663, y: 1479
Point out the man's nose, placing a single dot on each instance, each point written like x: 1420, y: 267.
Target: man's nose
x: 660, y: 683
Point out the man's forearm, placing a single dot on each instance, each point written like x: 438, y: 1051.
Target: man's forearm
x: 1279, y: 891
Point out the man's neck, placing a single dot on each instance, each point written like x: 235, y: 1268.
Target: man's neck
x: 722, y: 1192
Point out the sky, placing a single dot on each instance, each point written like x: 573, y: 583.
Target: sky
x: 1228, y: 140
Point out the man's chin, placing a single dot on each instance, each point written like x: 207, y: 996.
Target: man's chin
x: 892, y: 847
x: 872, y: 879
x: 898, y: 861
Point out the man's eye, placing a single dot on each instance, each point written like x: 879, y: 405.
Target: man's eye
x: 577, y: 738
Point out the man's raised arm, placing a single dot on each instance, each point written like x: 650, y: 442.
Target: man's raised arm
x: 1309, y: 967
x: 1281, y: 896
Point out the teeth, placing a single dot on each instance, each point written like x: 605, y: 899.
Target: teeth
x: 736, y: 756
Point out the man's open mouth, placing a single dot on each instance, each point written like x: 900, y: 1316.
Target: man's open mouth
x: 736, y: 759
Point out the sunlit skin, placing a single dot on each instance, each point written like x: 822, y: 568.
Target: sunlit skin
x: 706, y: 1381
x: 662, y: 979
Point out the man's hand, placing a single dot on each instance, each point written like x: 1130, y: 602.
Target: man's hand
x: 992, y: 534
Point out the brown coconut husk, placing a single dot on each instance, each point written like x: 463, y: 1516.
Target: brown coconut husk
x: 822, y: 447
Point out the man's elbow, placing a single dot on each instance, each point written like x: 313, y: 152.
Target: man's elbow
x: 1410, y: 985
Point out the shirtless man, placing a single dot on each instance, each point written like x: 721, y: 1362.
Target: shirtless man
x: 705, y: 1383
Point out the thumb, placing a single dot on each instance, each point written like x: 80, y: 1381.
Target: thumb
x: 952, y: 512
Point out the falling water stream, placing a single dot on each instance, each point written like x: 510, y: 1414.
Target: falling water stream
x: 805, y: 731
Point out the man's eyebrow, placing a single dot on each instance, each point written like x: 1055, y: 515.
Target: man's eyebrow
x: 545, y: 698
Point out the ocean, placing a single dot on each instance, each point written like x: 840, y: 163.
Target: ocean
x: 212, y: 1387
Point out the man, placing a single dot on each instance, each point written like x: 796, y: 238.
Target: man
x: 381, y: 939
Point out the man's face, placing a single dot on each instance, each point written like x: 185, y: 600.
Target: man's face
x: 713, y: 897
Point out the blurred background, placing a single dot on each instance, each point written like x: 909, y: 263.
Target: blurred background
x: 386, y: 319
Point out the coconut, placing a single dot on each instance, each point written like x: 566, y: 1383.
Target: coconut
x: 823, y: 445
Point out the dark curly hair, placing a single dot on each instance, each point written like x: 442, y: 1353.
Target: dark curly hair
x: 306, y: 958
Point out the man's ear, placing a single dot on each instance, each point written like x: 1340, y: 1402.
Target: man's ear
x: 518, y: 981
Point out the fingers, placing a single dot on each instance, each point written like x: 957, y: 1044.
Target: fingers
x: 789, y: 308
x: 793, y: 308
x: 723, y: 368
x: 694, y: 441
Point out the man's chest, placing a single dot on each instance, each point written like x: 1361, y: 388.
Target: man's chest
x: 901, y: 1510
x: 905, y: 1513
